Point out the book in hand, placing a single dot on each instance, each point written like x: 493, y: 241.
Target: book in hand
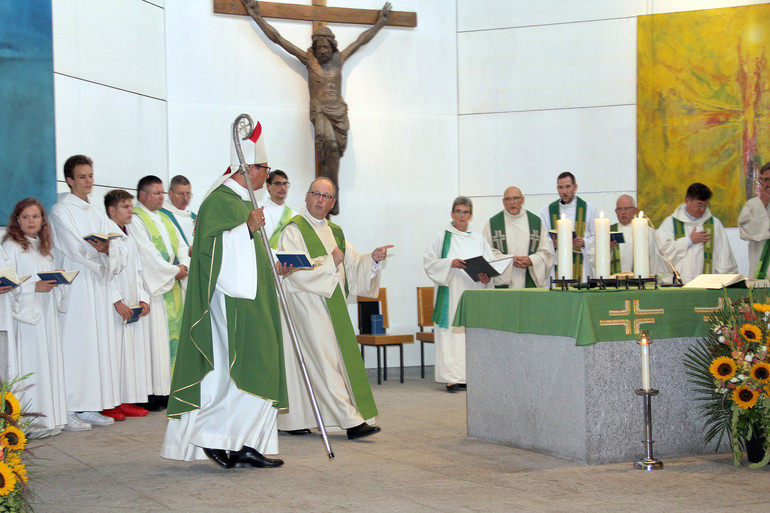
x: 101, y: 237
x: 136, y: 311
x: 555, y: 234
x: 297, y: 259
x: 617, y: 237
x: 476, y: 265
x: 9, y: 278
x: 58, y: 277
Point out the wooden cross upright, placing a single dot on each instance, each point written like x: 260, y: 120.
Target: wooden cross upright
x: 318, y: 13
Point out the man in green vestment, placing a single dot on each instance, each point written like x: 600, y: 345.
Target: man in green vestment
x: 582, y: 215
x: 316, y: 301
x: 517, y: 232
x: 229, y: 381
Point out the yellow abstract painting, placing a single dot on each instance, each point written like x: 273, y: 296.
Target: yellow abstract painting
x: 703, y: 107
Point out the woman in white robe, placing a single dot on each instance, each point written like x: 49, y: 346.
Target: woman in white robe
x: 28, y: 245
x: 444, y: 264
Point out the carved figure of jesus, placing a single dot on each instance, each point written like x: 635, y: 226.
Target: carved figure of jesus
x: 328, y: 110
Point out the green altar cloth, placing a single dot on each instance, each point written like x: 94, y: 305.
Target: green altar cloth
x: 596, y: 315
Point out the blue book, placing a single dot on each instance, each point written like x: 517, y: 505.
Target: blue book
x: 617, y: 237
x: 9, y: 278
x: 101, y: 237
x: 298, y: 260
x: 377, y: 327
x: 136, y: 311
x: 59, y: 277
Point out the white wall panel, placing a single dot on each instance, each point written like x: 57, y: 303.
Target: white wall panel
x: 529, y: 149
x: 124, y: 133
x: 230, y: 61
x: 494, y: 14
x: 116, y: 43
x: 550, y: 67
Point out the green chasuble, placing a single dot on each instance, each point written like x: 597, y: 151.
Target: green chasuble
x: 253, y: 325
x: 283, y: 221
x: 615, y: 259
x: 579, y: 229
x: 343, y: 328
x: 173, y: 299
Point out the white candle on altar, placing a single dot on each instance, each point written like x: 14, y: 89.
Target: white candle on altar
x: 641, y: 246
x: 602, y: 231
x: 645, y: 363
x: 564, y: 241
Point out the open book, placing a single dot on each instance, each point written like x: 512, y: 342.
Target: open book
x: 100, y: 237
x: 296, y: 258
x: 476, y: 265
x: 716, y: 281
x: 136, y: 311
x: 60, y: 277
x: 9, y: 278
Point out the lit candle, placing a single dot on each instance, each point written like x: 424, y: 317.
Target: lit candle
x: 641, y: 246
x: 564, y: 240
x: 602, y: 230
x: 645, y: 363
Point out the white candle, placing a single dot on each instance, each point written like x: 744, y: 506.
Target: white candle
x: 602, y: 231
x: 564, y: 240
x: 641, y: 246
x: 645, y: 363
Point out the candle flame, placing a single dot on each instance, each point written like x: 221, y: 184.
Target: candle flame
x: 601, y: 213
x: 563, y: 215
x: 641, y: 215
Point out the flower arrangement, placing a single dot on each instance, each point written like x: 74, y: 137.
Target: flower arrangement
x: 14, y: 496
x: 731, y: 372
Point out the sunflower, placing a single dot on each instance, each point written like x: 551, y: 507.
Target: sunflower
x: 761, y: 372
x: 723, y: 368
x: 759, y: 307
x: 7, y: 479
x: 751, y: 333
x: 745, y: 397
x: 21, y: 472
x: 12, y: 406
x: 13, y: 438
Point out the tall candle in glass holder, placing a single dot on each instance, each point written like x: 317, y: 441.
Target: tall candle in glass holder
x: 641, y: 246
x: 602, y: 249
x: 564, y: 240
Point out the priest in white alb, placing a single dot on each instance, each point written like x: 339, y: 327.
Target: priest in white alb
x: 177, y: 208
x: 754, y: 223
x: 165, y: 260
x: 519, y: 233
x: 277, y: 212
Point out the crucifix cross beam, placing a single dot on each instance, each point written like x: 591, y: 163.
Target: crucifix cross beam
x: 318, y: 13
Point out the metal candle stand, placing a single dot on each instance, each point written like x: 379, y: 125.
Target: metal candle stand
x: 601, y: 283
x: 648, y: 462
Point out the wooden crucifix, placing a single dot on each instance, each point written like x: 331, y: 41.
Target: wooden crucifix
x: 324, y: 62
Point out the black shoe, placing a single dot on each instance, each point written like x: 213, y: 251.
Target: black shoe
x: 462, y: 386
x: 249, y: 457
x: 219, y: 456
x: 296, y: 432
x: 361, y: 431
x: 454, y: 387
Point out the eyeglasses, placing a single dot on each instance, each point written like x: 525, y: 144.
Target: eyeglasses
x: 513, y: 198
x: 458, y: 211
x: 764, y: 180
x: 182, y: 194
x: 281, y: 184
x: 317, y: 195
x: 266, y: 168
x: 624, y: 209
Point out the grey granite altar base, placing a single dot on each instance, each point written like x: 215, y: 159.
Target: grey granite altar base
x: 547, y: 394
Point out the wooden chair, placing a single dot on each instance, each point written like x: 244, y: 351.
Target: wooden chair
x: 425, y: 304
x: 383, y: 341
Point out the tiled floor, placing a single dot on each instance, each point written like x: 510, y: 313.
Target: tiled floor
x: 421, y: 461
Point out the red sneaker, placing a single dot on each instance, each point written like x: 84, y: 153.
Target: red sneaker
x: 132, y: 410
x: 114, y: 413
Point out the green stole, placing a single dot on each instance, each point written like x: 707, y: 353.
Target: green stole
x: 500, y: 241
x: 580, y: 231
x: 285, y: 217
x: 343, y: 328
x: 441, y: 308
x: 764, y: 259
x: 615, y: 258
x: 708, y: 246
x: 173, y: 299
x: 255, y: 348
x: 176, y: 223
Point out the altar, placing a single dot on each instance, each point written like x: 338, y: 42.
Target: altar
x: 556, y: 371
